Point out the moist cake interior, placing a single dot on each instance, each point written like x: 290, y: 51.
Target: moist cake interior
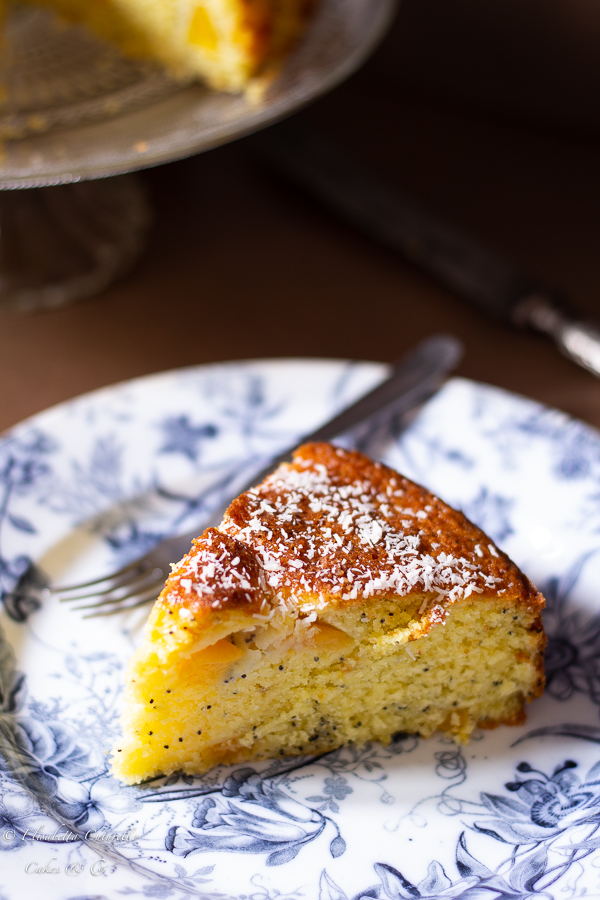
x: 294, y: 687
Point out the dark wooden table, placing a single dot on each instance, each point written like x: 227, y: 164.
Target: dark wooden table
x: 240, y: 265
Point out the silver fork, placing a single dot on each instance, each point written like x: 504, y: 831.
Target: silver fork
x: 413, y: 379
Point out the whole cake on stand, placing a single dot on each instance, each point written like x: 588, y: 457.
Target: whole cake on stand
x: 78, y: 107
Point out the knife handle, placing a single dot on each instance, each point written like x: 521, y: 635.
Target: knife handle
x: 453, y: 258
x: 580, y: 341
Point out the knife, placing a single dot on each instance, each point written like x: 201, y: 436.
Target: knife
x: 451, y: 256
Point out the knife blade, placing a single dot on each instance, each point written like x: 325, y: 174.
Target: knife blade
x: 453, y: 257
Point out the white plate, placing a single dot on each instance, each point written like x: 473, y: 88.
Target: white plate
x: 515, y: 814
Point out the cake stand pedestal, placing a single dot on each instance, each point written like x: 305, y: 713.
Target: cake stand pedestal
x: 64, y: 243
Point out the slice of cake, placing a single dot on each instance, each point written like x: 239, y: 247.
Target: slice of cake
x: 337, y: 602
x: 225, y: 42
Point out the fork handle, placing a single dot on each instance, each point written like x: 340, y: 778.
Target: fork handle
x: 413, y: 379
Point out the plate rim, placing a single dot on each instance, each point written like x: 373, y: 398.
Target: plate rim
x: 273, y: 362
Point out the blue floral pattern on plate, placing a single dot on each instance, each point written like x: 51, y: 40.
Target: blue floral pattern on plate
x: 92, y: 483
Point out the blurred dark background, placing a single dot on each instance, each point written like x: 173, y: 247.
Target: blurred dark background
x: 487, y: 111
x: 533, y: 62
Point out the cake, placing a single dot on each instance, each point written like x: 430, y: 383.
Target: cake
x: 225, y: 42
x: 337, y: 602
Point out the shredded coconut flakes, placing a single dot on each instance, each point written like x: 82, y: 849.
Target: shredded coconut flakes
x: 302, y: 519
x: 313, y: 535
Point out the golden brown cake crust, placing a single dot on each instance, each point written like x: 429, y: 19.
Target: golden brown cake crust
x: 222, y: 571
x: 345, y: 527
x: 334, y: 528
x: 261, y: 19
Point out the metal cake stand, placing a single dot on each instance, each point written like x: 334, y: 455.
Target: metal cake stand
x: 75, y: 111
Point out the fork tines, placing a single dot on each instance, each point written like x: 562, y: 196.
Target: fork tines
x: 136, y: 582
